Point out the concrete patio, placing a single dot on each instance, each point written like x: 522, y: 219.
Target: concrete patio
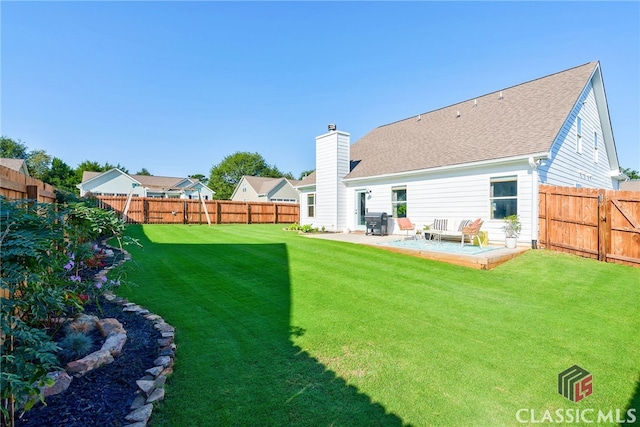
x: 481, y: 261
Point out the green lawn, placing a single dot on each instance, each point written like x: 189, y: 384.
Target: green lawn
x: 274, y: 328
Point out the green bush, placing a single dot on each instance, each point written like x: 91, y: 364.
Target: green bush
x: 44, y: 248
x: 75, y: 346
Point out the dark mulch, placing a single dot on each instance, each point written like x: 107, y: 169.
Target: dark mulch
x: 102, y: 397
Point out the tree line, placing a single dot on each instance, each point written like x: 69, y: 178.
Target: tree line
x: 223, y: 177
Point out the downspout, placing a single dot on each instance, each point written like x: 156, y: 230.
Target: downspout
x: 534, y: 202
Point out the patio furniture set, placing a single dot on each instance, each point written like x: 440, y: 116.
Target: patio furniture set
x: 444, y: 227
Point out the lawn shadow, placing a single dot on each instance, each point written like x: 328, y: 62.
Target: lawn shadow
x: 235, y: 345
x: 634, y: 403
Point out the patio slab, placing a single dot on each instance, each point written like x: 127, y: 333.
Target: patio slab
x: 481, y: 261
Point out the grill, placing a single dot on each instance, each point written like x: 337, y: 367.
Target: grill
x: 376, y: 223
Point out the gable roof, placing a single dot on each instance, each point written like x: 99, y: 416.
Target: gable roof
x: 263, y: 185
x: 517, y: 121
x: 149, y: 181
x: 19, y: 165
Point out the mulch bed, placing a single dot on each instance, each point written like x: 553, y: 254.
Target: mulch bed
x: 103, y: 396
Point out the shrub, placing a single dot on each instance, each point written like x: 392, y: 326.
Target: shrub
x: 75, y: 346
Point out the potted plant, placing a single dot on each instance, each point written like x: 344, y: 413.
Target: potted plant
x: 427, y: 234
x: 512, y: 227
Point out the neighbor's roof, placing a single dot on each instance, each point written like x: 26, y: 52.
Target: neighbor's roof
x: 13, y: 164
x: 526, y: 120
x: 156, y: 182
x: 262, y: 185
x: 632, y: 185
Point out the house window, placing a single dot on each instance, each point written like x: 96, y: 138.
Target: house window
x: 595, y: 147
x: 579, y: 136
x: 504, y: 197
x: 399, y: 202
x: 244, y: 188
x: 311, y: 205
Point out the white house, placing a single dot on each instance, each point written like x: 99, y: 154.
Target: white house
x: 115, y: 182
x: 261, y: 189
x: 480, y: 158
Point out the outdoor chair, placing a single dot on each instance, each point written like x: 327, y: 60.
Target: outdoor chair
x: 406, y: 225
x: 472, y: 230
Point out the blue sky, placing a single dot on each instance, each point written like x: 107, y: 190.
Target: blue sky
x: 175, y: 87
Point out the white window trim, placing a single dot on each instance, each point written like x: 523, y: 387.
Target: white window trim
x: 315, y: 203
x: 492, y: 198
x: 395, y: 204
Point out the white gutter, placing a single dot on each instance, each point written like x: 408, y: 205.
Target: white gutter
x: 534, y: 163
x: 536, y: 156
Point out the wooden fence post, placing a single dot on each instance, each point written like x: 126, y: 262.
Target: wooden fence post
x: 145, y: 211
x: 275, y: 213
x: 248, y: 213
x: 604, y: 226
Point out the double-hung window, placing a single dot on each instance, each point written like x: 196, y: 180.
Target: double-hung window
x: 504, y: 197
x: 399, y: 202
x: 311, y: 205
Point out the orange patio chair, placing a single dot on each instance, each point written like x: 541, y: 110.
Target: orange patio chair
x: 406, y: 225
x: 472, y: 230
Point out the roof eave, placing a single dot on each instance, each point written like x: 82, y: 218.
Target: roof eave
x: 525, y: 157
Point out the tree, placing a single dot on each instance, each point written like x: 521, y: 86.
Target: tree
x: 200, y: 177
x: 10, y: 149
x: 143, y: 171
x: 87, y: 166
x: 108, y: 166
x: 225, y: 175
x: 38, y: 162
x: 304, y: 174
x: 61, y: 176
x: 631, y: 173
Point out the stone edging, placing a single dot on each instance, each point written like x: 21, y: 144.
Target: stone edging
x: 150, y: 386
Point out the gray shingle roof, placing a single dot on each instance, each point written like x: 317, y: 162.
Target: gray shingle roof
x: 524, y: 121
x: 155, y: 182
x: 263, y: 185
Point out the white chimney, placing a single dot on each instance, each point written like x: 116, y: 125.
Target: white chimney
x: 333, y: 163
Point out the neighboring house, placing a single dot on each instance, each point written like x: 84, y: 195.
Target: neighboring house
x: 631, y: 185
x: 114, y: 182
x: 481, y: 158
x: 19, y: 165
x: 259, y: 189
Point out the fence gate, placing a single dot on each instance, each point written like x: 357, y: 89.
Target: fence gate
x: 593, y: 223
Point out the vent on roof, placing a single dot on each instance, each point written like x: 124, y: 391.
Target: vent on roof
x: 458, y: 113
x: 500, y: 97
x: 419, y: 117
x: 475, y: 102
x: 332, y: 127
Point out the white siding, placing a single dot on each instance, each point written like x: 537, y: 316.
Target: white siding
x: 456, y: 195
x: 284, y: 191
x: 332, y: 164
x: 570, y: 168
x: 113, y: 182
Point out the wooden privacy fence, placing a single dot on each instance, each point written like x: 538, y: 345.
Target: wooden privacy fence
x: 148, y: 210
x: 15, y: 185
x: 593, y: 223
